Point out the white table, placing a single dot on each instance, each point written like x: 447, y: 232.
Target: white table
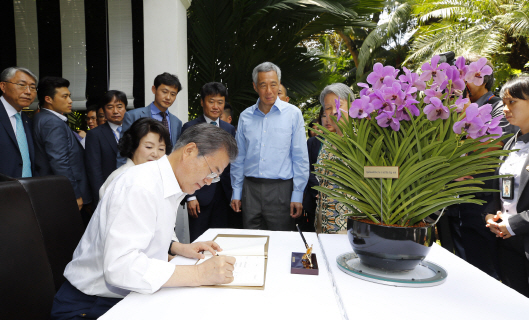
x: 468, y: 293
x: 286, y: 295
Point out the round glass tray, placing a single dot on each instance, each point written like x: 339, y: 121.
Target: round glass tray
x: 426, y: 274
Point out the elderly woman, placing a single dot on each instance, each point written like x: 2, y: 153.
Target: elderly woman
x: 329, y: 212
x: 507, y: 215
x: 145, y: 140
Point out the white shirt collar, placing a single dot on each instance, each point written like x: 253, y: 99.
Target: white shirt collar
x: 208, y: 120
x: 171, y: 186
x: 113, y: 126
x: 60, y: 116
x: 11, y: 111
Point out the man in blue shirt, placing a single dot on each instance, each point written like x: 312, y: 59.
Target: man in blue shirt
x: 166, y: 87
x: 272, y: 167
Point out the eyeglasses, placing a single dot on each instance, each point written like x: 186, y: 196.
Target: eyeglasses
x: 24, y: 87
x: 213, y: 175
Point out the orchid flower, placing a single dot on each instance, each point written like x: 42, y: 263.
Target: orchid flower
x: 338, y: 110
x: 471, y: 123
x: 386, y: 119
x: 460, y: 104
x: 431, y: 69
x: 462, y: 67
x: 436, y: 110
x: 477, y: 70
x: 361, y: 108
x: 380, y: 72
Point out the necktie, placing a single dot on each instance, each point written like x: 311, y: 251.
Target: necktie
x: 118, y: 135
x: 23, y: 146
x: 164, y: 120
x: 213, y: 123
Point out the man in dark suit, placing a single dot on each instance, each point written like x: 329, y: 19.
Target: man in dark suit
x: 166, y: 87
x: 102, y: 142
x: 19, y: 89
x: 57, y: 150
x: 209, y: 207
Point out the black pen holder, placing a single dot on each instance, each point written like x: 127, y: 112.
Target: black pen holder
x: 296, y: 266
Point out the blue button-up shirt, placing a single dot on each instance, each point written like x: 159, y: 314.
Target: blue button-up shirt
x: 271, y: 146
x: 155, y: 114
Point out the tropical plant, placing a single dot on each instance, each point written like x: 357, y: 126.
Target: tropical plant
x: 421, y: 125
x: 228, y: 38
x: 496, y: 29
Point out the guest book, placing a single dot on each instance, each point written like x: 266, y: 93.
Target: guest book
x: 251, y: 254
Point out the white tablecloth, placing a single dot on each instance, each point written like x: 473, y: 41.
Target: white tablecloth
x: 468, y: 293
x: 286, y: 295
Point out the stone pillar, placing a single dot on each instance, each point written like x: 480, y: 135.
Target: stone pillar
x: 165, y: 40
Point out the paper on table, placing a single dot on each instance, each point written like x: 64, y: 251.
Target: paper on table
x: 240, y: 246
x: 249, y: 252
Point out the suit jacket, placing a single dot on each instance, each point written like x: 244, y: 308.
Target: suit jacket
x: 133, y: 115
x: 205, y: 194
x: 309, y: 197
x: 10, y: 156
x: 58, y: 152
x: 101, y: 150
x: 520, y: 222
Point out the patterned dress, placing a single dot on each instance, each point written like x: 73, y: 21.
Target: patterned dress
x: 329, y: 211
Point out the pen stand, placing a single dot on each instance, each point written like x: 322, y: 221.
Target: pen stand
x: 297, y: 267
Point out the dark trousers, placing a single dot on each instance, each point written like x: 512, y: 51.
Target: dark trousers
x: 214, y: 215
x: 266, y: 204
x: 480, y: 245
x: 70, y: 303
x: 514, y: 266
x: 449, y: 231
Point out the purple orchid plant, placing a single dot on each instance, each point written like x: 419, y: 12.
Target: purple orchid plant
x: 416, y: 122
x: 437, y: 92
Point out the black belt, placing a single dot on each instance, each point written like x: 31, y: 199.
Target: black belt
x: 264, y: 180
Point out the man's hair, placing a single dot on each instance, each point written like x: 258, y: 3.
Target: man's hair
x: 339, y: 89
x: 227, y: 110
x: 10, y: 72
x: 139, y: 129
x: 111, y: 94
x: 48, y: 87
x: 487, y: 80
x: 209, y: 139
x: 169, y: 80
x: 265, y: 67
x: 213, y: 89
x: 517, y: 87
x: 92, y: 107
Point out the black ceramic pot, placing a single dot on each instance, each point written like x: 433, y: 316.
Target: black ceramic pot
x: 389, y: 248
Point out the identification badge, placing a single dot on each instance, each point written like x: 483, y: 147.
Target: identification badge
x: 507, y: 188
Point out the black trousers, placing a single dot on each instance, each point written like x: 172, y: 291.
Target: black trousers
x: 214, y: 215
x: 70, y: 303
x: 479, y: 243
x: 449, y: 231
x: 514, y: 266
x: 266, y: 204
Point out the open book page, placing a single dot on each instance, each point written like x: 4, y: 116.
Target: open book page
x: 240, y: 246
x: 249, y: 252
x: 247, y: 271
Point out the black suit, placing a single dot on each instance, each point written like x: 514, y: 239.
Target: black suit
x: 11, y: 159
x: 514, y: 251
x: 214, y: 200
x: 101, y: 150
x: 59, y: 152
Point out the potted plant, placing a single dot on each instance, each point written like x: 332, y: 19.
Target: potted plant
x: 422, y: 124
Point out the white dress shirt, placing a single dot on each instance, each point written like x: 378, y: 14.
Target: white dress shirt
x: 124, y: 247
x: 513, y: 165
x: 11, y: 111
x: 114, y: 175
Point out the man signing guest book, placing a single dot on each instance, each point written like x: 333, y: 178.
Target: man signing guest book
x: 125, y: 247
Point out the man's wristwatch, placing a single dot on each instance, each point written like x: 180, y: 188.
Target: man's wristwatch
x: 172, y: 241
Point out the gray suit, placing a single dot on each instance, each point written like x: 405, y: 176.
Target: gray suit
x: 58, y: 152
x: 133, y: 115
